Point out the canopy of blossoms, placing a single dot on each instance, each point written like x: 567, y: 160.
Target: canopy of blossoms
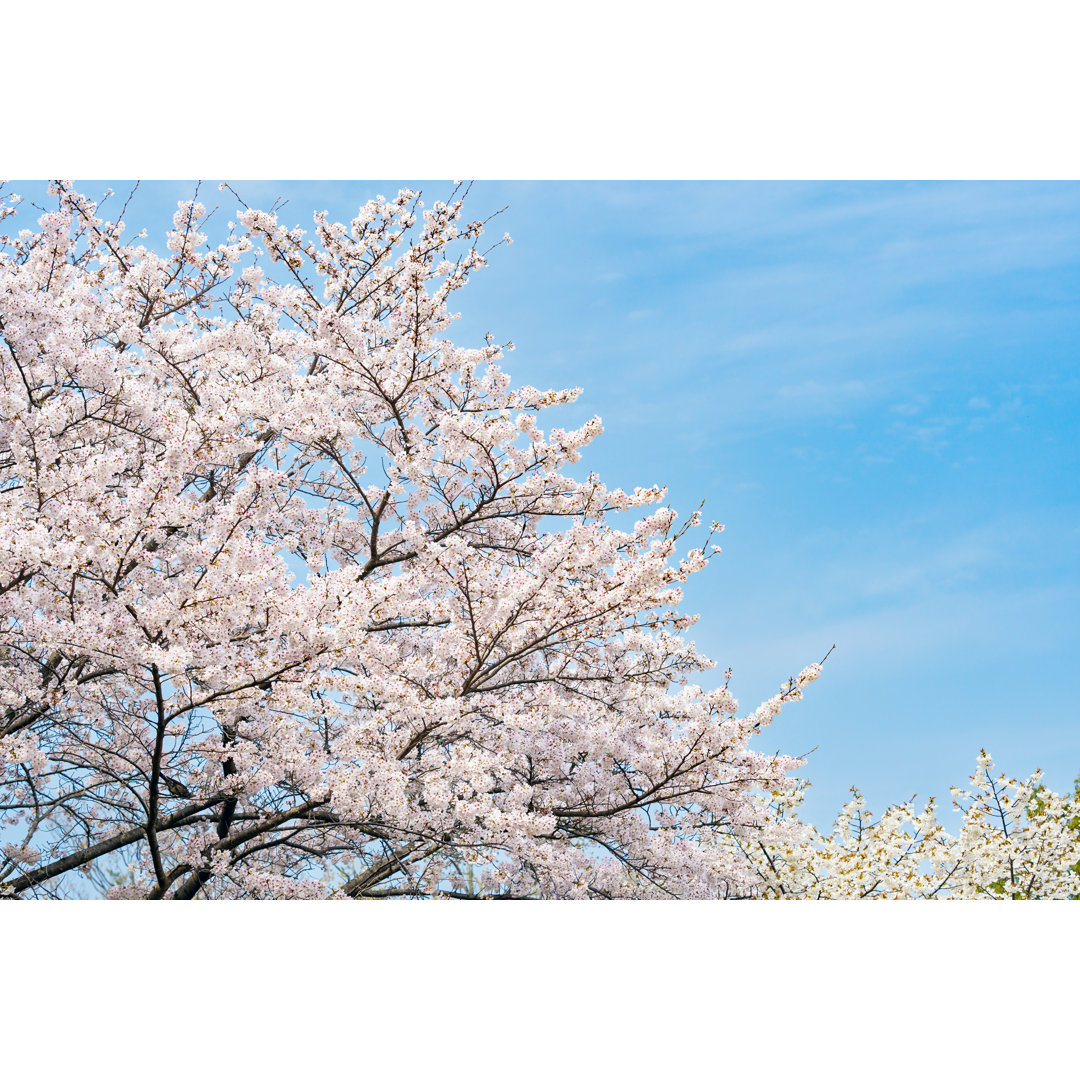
x: 298, y: 600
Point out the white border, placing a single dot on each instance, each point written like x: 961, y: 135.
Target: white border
x: 568, y: 89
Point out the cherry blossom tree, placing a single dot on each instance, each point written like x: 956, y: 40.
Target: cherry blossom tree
x: 1017, y: 841
x: 298, y: 600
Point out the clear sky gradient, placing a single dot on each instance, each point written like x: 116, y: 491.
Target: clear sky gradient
x: 874, y: 386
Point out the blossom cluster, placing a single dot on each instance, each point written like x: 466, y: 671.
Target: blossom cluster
x: 1017, y: 840
x: 297, y: 598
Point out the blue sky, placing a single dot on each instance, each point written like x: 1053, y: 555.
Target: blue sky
x: 873, y: 385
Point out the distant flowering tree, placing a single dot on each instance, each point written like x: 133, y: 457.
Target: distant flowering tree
x: 478, y: 689
x: 1017, y: 841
